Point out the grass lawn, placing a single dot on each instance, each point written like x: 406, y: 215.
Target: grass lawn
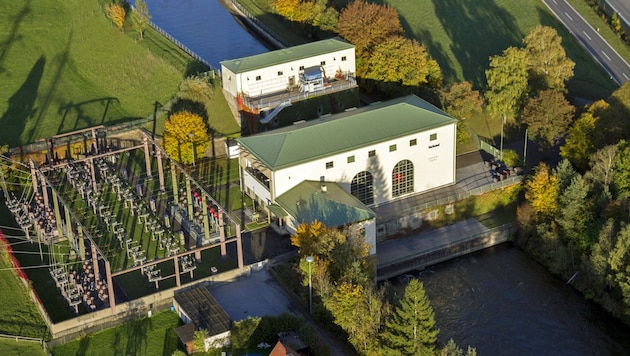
x: 11, y: 347
x: 147, y: 336
x: 65, y: 66
x: 19, y: 314
x: 461, y: 35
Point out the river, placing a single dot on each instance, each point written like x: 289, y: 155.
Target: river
x: 205, y: 27
x: 502, y: 302
x: 498, y: 300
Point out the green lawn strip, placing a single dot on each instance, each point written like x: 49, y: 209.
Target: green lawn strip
x: 462, y: 35
x: 61, y: 78
x: 19, y: 314
x: 11, y: 347
x: 604, y: 29
x: 146, y: 336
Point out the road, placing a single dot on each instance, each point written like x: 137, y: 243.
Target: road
x: 622, y: 8
x: 591, y: 40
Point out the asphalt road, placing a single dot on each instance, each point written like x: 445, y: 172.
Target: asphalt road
x: 622, y: 7
x: 608, y: 58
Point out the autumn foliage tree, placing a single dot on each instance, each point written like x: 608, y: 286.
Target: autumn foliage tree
x: 140, y: 17
x: 366, y: 25
x: 542, y: 191
x: 579, y: 144
x: 547, y: 62
x: 548, y: 116
x: 183, y: 132
x: 461, y: 102
x: 117, y: 13
x: 507, y: 83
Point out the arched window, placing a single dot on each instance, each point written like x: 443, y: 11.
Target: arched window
x: 402, y: 178
x: 362, y: 187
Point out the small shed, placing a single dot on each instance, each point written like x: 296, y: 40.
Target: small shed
x: 199, y: 310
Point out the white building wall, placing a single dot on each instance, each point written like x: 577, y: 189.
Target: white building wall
x: 257, y: 188
x: 434, y: 165
x: 271, y: 81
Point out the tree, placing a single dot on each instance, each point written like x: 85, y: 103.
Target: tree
x: 367, y: 24
x: 199, y: 340
x: 197, y: 88
x: 548, y: 116
x: 116, y: 13
x: 576, y: 212
x: 410, y: 330
x: 541, y: 191
x: 399, y: 60
x: 288, y: 8
x: 603, y: 167
x: 184, y: 131
x: 461, y: 102
x: 622, y: 175
x: 140, y: 17
x: 451, y: 349
x: 580, y: 142
x: 620, y: 265
x: 507, y: 83
x: 547, y: 62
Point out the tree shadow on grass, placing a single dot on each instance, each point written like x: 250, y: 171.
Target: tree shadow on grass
x: 13, y: 36
x: 22, y: 105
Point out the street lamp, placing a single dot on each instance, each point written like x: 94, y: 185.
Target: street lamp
x: 192, y: 144
x: 309, y: 259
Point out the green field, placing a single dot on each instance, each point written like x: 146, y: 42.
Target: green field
x: 65, y: 66
x: 147, y: 336
x: 10, y: 347
x: 462, y: 34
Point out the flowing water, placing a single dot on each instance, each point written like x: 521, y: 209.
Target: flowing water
x: 205, y: 27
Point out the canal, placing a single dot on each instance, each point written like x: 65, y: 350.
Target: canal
x: 497, y: 300
x: 205, y: 27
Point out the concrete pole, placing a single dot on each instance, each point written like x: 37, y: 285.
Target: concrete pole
x: 176, y: 263
x: 222, y: 233
x: 110, y: 288
x: 206, y: 220
x: 189, y: 199
x: 81, y: 244
x: 57, y: 213
x: 34, y: 177
x: 147, y: 157
x: 239, y: 249
x: 174, y: 181
x: 44, y: 190
x: 93, y: 175
x: 160, y: 170
x: 95, y: 262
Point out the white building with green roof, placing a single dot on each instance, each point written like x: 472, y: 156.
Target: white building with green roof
x: 359, y: 159
x: 279, y: 71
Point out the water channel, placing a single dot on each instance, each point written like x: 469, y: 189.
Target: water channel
x: 498, y: 300
x: 206, y: 27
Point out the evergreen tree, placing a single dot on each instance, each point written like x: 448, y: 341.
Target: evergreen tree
x: 411, y: 328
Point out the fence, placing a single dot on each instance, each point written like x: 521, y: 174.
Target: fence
x: 260, y: 27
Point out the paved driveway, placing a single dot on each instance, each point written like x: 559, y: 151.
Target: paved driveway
x: 255, y: 295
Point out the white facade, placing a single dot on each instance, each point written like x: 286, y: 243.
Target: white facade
x: 433, y: 161
x: 280, y: 76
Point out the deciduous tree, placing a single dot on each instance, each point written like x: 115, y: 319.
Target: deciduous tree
x: 580, y: 142
x: 620, y: 265
x: 116, y: 13
x: 507, y: 83
x: 367, y: 24
x: 548, y: 116
x: 183, y: 131
x: 452, y: 349
x: 399, y: 60
x: 461, y: 101
x: 547, y: 62
x: 140, y: 17
x: 541, y: 191
x: 411, y: 330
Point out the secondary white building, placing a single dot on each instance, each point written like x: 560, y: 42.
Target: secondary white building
x: 335, y: 168
x: 282, y: 70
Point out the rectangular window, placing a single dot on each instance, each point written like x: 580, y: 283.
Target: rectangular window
x: 301, y: 67
x: 322, y: 63
x: 343, y: 58
x: 258, y: 77
x: 413, y: 142
x: 372, y: 153
x: 329, y: 165
x: 433, y: 137
x: 392, y: 148
x: 350, y: 159
x: 280, y: 73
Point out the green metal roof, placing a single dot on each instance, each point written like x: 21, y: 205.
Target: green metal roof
x: 263, y: 60
x: 346, y: 131
x: 335, y: 207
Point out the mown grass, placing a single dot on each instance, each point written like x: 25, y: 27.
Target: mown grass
x: 147, y: 336
x: 19, y: 315
x: 65, y: 66
x: 10, y: 347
